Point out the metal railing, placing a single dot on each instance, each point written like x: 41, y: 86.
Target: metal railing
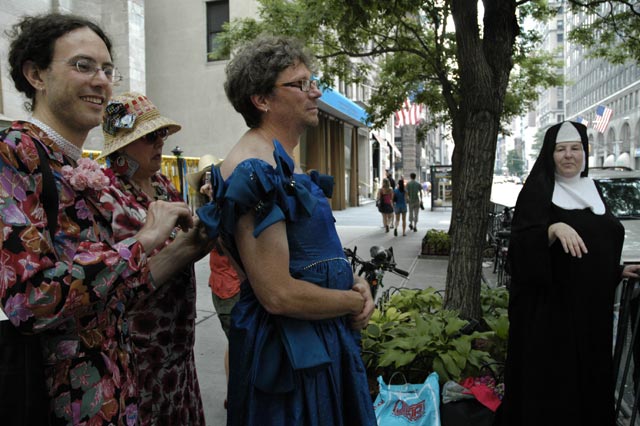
x: 626, y: 353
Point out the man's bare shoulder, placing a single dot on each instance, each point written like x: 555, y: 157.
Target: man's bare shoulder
x: 250, y: 146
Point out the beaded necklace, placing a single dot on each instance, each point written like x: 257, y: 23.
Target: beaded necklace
x: 67, y: 148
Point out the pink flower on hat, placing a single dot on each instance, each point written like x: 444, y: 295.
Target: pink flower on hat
x: 87, y: 174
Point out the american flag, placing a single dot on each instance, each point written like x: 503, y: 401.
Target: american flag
x: 409, y: 114
x: 582, y: 120
x: 603, y: 115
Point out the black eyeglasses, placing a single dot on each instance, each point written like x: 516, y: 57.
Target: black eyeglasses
x: 304, y: 85
x: 153, y: 136
x: 90, y: 68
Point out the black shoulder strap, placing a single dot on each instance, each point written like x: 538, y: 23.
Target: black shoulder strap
x: 49, y: 191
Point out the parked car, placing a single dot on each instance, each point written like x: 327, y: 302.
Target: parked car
x: 620, y: 188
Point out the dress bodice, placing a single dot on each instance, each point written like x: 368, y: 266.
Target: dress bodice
x: 313, y: 238
x: 275, y: 194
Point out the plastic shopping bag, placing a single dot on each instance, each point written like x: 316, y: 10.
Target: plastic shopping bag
x: 408, y: 404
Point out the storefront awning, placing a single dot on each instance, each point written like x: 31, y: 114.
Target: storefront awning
x: 338, y: 105
x: 384, y: 143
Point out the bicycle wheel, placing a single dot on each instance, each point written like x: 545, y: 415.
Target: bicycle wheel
x: 503, y: 275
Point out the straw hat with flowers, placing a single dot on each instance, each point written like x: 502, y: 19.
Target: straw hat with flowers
x: 129, y: 117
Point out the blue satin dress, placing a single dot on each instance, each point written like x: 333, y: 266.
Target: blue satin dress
x: 285, y: 371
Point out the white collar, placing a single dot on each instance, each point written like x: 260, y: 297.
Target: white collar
x: 67, y: 148
x: 577, y: 193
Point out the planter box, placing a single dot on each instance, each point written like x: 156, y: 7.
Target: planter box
x: 436, y: 243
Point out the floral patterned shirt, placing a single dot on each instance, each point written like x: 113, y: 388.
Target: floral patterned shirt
x: 162, y: 325
x: 72, y: 288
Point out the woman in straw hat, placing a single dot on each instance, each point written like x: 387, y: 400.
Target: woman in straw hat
x: 163, y: 325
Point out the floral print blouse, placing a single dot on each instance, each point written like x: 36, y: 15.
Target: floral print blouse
x: 72, y: 288
x: 162, y: 326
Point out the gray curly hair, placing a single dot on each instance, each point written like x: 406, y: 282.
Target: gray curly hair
x: 255, y: 68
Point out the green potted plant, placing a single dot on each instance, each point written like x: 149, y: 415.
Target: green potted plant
x: 436, y: 243
x: 413, y: 335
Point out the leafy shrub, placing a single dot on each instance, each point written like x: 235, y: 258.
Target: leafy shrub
x: 412, y: 334
x: 436, y: 242
x: 495, y: 304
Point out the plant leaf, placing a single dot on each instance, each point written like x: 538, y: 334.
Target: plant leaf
x: 374, y: 331
x: 398, y: 358
x: 454, y: 324
x: 450, y: 365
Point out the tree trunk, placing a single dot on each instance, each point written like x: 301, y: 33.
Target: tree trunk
x: 470, y: 213
x: 484, y: 66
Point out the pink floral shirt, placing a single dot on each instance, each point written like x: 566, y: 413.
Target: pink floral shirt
x: 73, y: 288
x: 162, y: 325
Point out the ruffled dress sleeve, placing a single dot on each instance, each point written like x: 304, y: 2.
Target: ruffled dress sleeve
x: 271, y: 194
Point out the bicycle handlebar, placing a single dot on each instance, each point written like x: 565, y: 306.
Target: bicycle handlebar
x: 401, y: 272
x: 373, y: 264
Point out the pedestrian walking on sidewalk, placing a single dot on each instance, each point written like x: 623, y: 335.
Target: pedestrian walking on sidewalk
x: 400, y: 208
x: 565, y: 264
x: 414, y: 200
x: 294, y: 346
x: 384, y: 200
x: 392, y: 181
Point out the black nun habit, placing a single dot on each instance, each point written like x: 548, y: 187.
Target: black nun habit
x: 559, y: 364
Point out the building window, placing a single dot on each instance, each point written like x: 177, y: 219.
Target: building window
x: 217, y: 15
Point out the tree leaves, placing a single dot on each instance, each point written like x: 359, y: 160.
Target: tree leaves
x: 412, y: 42
x: 613, y: 32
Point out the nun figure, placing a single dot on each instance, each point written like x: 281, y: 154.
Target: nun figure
x: 565, y: 261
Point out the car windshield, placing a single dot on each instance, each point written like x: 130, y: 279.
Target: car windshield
x: 622, y: 196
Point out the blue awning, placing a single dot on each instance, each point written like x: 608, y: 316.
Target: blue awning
x: 338, y: 105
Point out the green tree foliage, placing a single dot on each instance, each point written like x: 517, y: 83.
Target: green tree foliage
x: 473, y: 71
x: 413, y: 43
x: 537, y: 144
x: 515, y: 163
x: 614, y: 31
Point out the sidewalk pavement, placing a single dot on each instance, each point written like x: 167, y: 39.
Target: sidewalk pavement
x: 357, y: 227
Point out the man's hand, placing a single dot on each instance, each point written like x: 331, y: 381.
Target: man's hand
x: 360, y: 321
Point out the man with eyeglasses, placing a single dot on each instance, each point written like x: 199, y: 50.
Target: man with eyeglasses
x: 292, y: 342
x: 63, y: 279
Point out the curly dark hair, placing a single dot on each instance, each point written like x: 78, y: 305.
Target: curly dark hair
x: 33, y: 39
x: 255, y: 68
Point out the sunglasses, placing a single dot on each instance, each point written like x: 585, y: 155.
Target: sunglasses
x: 160, y: 133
